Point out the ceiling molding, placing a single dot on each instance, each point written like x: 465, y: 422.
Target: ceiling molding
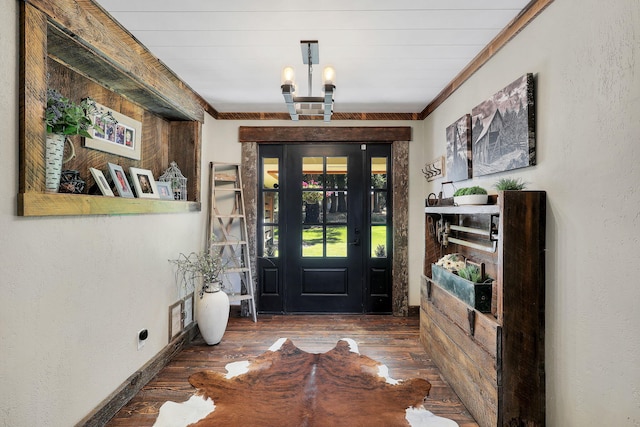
x: 528, y: 14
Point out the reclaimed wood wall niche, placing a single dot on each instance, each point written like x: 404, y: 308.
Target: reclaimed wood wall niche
x: 74, y: 46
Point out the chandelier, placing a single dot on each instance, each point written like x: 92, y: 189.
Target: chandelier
x: 309, y: 105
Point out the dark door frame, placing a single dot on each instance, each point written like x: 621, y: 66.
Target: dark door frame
x: 398, y: 137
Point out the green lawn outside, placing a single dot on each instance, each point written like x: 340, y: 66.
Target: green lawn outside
x: 337, y: 241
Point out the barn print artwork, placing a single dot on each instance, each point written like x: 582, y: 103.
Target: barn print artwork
x: 503, y: 132
x: 459, y: 149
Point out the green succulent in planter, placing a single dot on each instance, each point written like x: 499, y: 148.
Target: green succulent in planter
x: 471, y: 273
x: 510, y: 184
x: 467, y: 191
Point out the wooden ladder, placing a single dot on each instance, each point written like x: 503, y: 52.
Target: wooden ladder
x: 228, y: 236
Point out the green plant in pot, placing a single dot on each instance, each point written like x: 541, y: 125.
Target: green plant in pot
x: 470, y: 196
x: 63, y: 118
x: 207, y: 269
x: 504, y: 184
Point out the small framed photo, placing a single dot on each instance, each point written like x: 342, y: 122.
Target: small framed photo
x: 175, y: 320
x: 101, y: 182
x: 144, y: 183
x: 122, y: 138
x: 164, y: 190
x: 187, y: 309
x: 120, y: 180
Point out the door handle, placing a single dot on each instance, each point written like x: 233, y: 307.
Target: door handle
x: 356, y: 242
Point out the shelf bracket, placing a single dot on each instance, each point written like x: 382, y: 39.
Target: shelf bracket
x: 471, y: 316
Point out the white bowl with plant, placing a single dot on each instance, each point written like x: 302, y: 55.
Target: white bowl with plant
x: 470, y: 196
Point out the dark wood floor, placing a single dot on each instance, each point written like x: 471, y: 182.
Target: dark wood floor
x: 390, y: 340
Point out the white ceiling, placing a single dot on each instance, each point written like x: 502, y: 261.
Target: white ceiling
x: 389, y: 56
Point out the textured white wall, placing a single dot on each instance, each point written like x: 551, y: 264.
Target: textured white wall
x: 584, y: 55
x: 75, y: 291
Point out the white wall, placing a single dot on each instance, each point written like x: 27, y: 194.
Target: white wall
x: 75, y: 291
x: 584, y: 55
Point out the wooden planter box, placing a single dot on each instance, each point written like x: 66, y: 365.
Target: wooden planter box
x: 477, y: 295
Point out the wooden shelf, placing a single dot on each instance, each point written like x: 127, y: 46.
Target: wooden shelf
x: 76, y: 47
x: 51, y: 204
x: 481, y: 355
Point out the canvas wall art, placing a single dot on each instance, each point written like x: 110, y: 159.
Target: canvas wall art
x: 459, y: 149
x: 503, y: 129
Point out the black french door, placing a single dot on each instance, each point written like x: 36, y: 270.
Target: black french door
x: 324, y: 229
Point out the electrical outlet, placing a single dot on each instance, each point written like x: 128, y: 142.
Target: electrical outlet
x: 142, y: 338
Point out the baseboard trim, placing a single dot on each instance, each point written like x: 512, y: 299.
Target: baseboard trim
x: 127, y: 390
x: 414, y: 311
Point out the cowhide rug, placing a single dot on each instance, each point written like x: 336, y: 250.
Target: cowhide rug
x: 286, y: 386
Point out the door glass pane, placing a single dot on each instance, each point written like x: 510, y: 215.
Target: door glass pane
x: 270, y: 249
x: 312, y: 241
x: 312, y: 212
x: 378, y: 241
x: 379, y: 172
x: 336, y: 241
x: 378, y: 207
x: 336, y: 189
x: 270, y: 178
x: 270, y: 212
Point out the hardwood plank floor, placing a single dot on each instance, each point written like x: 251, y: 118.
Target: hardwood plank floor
x: 393, y: 341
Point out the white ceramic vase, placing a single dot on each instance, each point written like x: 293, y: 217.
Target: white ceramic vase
x: 212, y: 315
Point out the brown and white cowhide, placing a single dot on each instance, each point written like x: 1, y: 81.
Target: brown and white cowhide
x: 286, y: 386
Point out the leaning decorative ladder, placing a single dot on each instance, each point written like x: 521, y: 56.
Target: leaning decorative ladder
x: 227, y: 226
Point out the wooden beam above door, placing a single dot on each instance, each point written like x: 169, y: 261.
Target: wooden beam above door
x: 286, y: 134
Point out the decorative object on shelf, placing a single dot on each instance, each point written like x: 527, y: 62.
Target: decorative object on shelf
x: 470, y: 196
x: 434, y: 169
x: 504, y: 129
x: 119, y: 179
x: 459, y: 149
x: 62, y: 118
x: 54, y: 152
x: 507, y: 183
x: 123, y: 136
x: 177, y: 180
x: 164, y: 190
x: 212, y: 305
x: 144, y: 183
x: 101, y: 182
x: 466, y: 280
x: 70, y: 182
x: 441, y: 199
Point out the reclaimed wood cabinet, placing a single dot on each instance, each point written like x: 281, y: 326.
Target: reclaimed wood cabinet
x: 76, y: 47
x: 494, y: 361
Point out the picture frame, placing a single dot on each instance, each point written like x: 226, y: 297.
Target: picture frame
x: 120, y: 181
x: 164, y: 190
x: 101, y: 182
x: 176, y: 324
x: 504, y: 129
x: 188, y: 310
x: 144, y: 183
x: 459, y: 149
x: 123, y: 138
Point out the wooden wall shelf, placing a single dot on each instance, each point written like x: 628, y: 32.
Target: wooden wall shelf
x: 76, y: 47
x: 494, y: 361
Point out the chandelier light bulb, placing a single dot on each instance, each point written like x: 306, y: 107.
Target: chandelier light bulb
x: 329, y: 76
x: 288, y: 76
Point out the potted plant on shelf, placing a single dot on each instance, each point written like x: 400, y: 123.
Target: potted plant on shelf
x: 465, y: 279
x: 65, y: 118
x: 470, y: 196
x: 204, y: 271
x: 504, y: 184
